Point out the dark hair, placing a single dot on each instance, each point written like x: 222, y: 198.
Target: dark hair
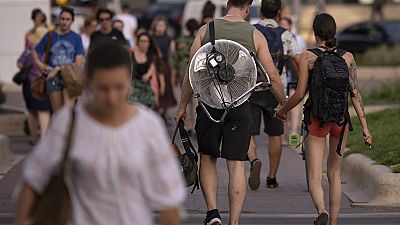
x: 35, y: 12
x: 108, y: 55
x: 324, y: 27
x: 270, y: 8
x: 208, y: 10
x: 68, y: 10
x: 126, y: 6
x: 239, y: 3
x: 192, y: 25
x: 118, y: 21
x: 290, y: 22
x: 104, y: 10
x: 152, y: 48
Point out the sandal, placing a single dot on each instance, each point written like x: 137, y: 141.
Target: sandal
x: 294, y: 140
x: 322, y: 219
x: 254, y: 178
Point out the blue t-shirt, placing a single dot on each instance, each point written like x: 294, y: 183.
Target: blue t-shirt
x: 64, y: 48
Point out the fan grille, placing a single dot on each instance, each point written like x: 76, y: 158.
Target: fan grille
x: 211, y: 90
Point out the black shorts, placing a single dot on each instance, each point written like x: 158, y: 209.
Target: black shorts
x: 229, y: 140
x: 263, y: 103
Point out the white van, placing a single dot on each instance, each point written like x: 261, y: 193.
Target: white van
x: 193, y: 10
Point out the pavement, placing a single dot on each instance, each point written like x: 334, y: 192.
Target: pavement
x: 288, y: 204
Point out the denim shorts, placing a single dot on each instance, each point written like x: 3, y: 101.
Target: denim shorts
x: 55, y: 84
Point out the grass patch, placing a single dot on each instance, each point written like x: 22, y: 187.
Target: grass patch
x: 396, y: 169
x: 380, y: 56
x: 386, y: 94
x: 385, y: 130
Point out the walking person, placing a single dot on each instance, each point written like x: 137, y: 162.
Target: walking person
x: 377, y: 10
x: 130, y: 24
x: 211, y: 136
x: 283, y: 47
x: 127, y: 173
x: 89, y: 27
x: 144, y: 58
x: 65, y: 48
x: 181, y: 61
x: 341, y: 75
x: 166, y: 46
x: 107, y: 32
x: 38, y: 110
x: 292, y: 78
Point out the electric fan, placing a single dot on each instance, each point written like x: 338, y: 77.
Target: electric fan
x: 224, y: 75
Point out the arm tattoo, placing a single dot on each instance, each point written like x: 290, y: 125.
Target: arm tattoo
x: 353, y: 74
x: 354, y: 85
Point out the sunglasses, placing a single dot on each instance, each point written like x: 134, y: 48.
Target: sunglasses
x: 105, y: 19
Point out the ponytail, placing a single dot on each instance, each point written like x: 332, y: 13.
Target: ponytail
x: 331, y: 42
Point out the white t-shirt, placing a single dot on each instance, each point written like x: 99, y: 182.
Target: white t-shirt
x: 85, y: 42
x: 130, y: 25
x: 114, y: 175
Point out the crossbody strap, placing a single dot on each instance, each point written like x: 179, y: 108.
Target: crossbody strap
x: 68, y: 144
x: 48, y: 46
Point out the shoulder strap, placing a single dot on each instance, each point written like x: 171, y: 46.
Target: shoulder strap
x: 187, y: 144
x: 48, y: 46
x: 318, y: 52
x: 211, y: 32
x: 280, y: 30
x: 68, y: 144
x: 340, y: 52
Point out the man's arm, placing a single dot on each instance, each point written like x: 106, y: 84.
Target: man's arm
x: 265, y: 59
x: 187, y: 91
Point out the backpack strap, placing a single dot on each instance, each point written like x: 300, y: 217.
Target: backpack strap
x: 340, y: 52
x: 211, y: 33
x: 318, y: 52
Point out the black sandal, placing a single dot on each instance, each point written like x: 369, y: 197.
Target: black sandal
x: 254, y: 178
x: 322, y: 219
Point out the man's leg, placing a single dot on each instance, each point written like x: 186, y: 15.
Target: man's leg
x: 252, y: 154
x: 274, y: 129
x: 209, y: 180
x: 274, y: 153
x: 254, y: 177
x: 236, y: 189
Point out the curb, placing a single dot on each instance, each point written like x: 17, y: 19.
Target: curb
x: 368, y: 184
x: 7, y: 159
x: 12, y: 124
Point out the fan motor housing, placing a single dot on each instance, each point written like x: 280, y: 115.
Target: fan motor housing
x: 226, y: 73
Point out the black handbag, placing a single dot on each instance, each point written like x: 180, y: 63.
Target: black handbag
x: 21, y: 75
x: 189, y: 159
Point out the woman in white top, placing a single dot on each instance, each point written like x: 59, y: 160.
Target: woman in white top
x: 121, y: 167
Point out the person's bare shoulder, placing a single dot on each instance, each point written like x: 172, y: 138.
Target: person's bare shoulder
x: 259, y: 39
x: 348, y: 56
x: 202, y: 31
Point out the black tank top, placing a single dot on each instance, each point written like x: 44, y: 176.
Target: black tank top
x: 140, y: 69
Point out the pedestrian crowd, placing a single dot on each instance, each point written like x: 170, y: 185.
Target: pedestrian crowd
x: 112, y: 149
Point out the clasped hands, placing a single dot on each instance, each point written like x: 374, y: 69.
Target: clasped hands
x: 280, y: 114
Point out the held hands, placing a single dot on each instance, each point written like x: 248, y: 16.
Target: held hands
x: 44, y: 68
x: 53, y: 72
x: 279, y: 114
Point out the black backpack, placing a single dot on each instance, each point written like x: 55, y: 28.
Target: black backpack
x: 275, y: 44
x: 329, y: 91
x: 189, y: 159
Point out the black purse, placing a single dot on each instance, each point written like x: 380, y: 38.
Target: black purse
x: 21, y: 75
x: 188, y: 160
